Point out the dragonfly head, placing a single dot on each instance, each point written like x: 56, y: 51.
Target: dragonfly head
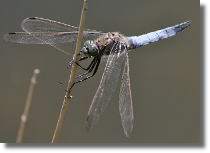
x: 90, y: 49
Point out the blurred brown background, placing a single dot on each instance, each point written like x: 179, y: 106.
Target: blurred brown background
x: 165, y: 75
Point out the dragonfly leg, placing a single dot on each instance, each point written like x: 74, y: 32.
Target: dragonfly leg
x: 93, y: 61
x: 82, y: 58
x: 96, y: 64
x: 89, y: 68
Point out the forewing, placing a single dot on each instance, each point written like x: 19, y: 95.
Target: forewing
x: 36, y: 24
x: 106, y: 88
x: 125, y: 100
x: 56, y: 34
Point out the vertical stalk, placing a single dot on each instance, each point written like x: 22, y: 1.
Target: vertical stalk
x: 67, y: 97
x: 24, y: 117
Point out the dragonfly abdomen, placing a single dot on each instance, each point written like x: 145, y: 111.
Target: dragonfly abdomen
x: 138, y: 41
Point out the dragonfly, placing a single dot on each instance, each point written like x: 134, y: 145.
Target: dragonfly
x: 111, y: 47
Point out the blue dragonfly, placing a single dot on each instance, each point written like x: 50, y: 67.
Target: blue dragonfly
x: 111, y: 47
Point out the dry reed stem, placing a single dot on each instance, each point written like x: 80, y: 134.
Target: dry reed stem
x: 24, y: 116
x: 72, y: 76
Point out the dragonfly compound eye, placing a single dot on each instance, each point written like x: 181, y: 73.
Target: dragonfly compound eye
x: 92, y: 51
x: 87, y: 43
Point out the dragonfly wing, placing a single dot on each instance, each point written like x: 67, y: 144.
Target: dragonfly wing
x: 43, y: 31
x: 36, y: 24
x: 125, y: 100
x: 106, y: 88
x: 63, y: 41
x: 64, y: 35
x: 22, y: 37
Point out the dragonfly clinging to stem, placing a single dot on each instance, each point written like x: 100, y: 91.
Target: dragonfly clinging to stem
x: 112, y: 46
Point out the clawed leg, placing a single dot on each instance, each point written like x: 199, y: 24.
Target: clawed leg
x: 95, y: 65
x: 82, y: 58
x: 89, y: 68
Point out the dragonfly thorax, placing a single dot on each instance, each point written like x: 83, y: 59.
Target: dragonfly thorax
x: 90, y: 49
x: 102, y: 46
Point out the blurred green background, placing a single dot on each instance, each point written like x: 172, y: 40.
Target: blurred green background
x: 165, y: 75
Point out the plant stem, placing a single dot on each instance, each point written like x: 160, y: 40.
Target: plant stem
x: 24, y: 117
x: 72, y: 76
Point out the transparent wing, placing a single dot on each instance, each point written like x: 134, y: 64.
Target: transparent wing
x: 36, y: 24
x: 63, y: 41
x: 56, y: 34
x: 125, y: 100
x: 106, y: 87
x: 22, y: 37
